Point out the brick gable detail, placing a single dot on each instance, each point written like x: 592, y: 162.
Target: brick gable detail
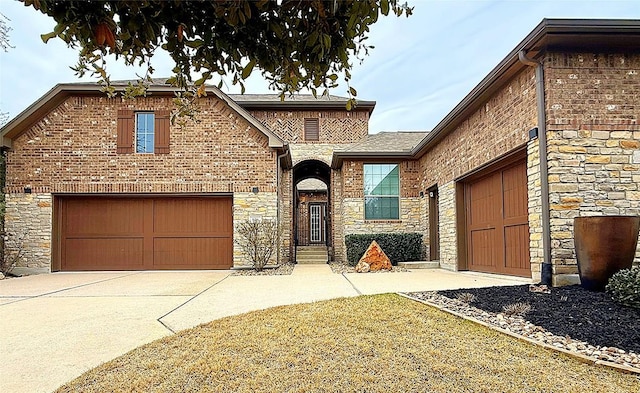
x: 334, y: 126
x: 74, y: 149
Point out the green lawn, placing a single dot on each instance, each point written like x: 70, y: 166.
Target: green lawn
x: 383, y: 343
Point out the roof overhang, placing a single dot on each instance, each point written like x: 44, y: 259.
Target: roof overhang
x: 367, y: 106
x: 60, y: 92
x: 339, y: 157
x: 574, y: 35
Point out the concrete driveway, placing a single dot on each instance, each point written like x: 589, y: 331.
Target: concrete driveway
x: 57, y: 326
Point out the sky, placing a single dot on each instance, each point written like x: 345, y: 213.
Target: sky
x: 420, y: 69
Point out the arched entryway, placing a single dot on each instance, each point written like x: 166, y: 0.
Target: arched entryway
x: 312, y: 204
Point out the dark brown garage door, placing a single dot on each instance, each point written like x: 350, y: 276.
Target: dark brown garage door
x: 105, y: 233
x: 497, y: 222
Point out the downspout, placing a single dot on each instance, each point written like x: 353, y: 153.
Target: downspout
x: 278, y: 158
x: 546, y: 272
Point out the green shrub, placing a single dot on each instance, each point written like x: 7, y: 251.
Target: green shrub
x: 399, y: 247
x: 624, y: 287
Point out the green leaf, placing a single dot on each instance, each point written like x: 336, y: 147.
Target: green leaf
x: 352, y: 91
x: 46, y: 37
x: 246, y: 71
x: 195, y: 43
x: 384, y: 6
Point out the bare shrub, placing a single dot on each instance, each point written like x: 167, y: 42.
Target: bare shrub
x: 14, y: 255
x: 516, y: 309
x: 466, y: 297
x: 258, y: 239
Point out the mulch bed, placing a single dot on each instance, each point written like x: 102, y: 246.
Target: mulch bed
x: 567, y: 311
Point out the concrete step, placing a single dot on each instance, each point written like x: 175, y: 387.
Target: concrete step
x: 319, y: 261
x: 312, y: 255
x: 420, y: 265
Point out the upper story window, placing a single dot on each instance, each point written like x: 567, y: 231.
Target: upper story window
x: 311, y: 129
x: 145, y: 132
x: 381, y: 192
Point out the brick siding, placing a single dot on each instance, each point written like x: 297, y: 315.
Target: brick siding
x: 73, y: 149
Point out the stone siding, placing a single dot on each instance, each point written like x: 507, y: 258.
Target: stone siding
x: 28, y: 226
x: 285, y: 198
x: 322, y: 152
x: 448, y: 226
x: 336, y: 126
x: 249, y: 206
x: 593, y: 116
x: 534, y: 203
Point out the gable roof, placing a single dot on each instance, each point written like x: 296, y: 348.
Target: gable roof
x: 599, y: 35
x: 54, y: 97
x: 398, y: 144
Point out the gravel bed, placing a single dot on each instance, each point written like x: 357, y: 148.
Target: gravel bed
x: 340, y: 268
x: 283, y: 270
x: 571, y: 318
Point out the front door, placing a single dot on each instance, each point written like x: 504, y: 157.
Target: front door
x: 316, y: 223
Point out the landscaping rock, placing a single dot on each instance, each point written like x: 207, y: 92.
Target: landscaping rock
x: 1, y: 276
x: 376, y: 258
x: 362, y: 267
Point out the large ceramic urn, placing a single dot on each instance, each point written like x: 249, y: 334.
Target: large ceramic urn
x: 604, y: 245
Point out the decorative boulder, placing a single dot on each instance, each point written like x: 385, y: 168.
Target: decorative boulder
x: 376, y: 258
x: 362, y: 267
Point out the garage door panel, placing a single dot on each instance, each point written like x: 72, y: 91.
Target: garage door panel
x: 515, y: 191
x: 191, y: 215
x: 483, y: 199
x: 482, y: 247
x: 517, y: 259
x: 190, y: 253
x: 103, y: 216
x: 103, y: 254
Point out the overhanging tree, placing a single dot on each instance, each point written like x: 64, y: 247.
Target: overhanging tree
x: 297, y: 44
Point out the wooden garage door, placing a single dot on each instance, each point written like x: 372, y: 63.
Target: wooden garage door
x: 497, y: 222
x: 104, y: 233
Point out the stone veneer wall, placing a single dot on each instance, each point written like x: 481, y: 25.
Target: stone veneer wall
x: 286, y: 215
x: 249, y: 206
x: 28, y: 225
x: 448, y: 229
x: 337, y: 222
x: 593, y: 116
x: 534, y: 203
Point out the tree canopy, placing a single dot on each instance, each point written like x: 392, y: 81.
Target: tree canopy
x: 297, y: 44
